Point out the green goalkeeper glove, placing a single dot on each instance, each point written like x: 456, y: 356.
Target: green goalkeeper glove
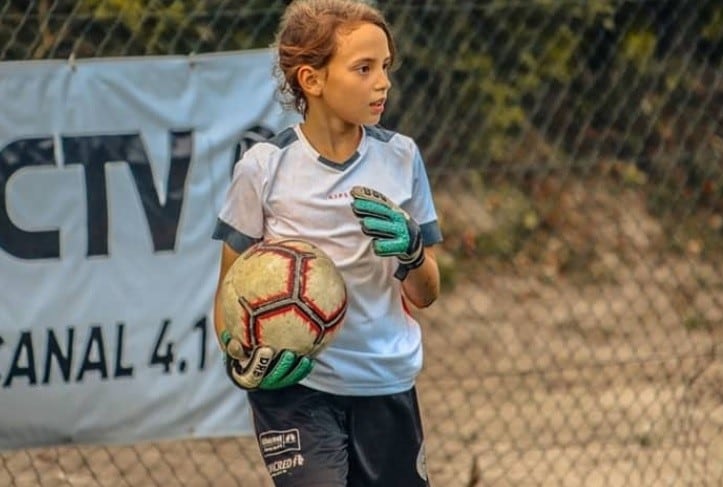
x: 264, y: 368
x: 393, y: 231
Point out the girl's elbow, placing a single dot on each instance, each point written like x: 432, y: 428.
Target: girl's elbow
x: 426, y: 299
x: 427, y: 302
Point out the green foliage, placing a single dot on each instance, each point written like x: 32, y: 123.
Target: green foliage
x: 556, y: 61
x: 510, y: 217
x: 587, y: 11
x: 713, y: 30
x: 92, y: 28
x: 155, y: 22
x: 638, y: 47
x: 595, y: 79
x: 514, y: 218
x: 516, y: 90
x: 448, y: 270
x: 695, y: 321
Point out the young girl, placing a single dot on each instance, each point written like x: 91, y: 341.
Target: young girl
x: 360, y: 193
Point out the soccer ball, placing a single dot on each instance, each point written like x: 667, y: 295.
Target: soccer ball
x: 286, y: 294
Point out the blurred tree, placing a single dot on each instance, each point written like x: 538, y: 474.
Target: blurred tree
x: 504, y: 86
x: 44, y: 29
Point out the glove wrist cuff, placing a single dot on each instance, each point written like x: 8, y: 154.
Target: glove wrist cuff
x: 405, y: 267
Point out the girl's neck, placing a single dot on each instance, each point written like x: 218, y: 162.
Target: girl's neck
x: 336, y: 142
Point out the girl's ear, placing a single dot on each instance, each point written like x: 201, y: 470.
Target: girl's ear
x: 311, y: 80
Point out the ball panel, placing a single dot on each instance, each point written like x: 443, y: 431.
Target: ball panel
x: 322, y: 288
x: 288, y: 328
x: 287, y: 294
x: 235, y: 316
x: 263, y: 275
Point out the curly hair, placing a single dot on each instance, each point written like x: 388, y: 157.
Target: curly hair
x: 307, y: 35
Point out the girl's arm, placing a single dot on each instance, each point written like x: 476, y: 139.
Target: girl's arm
x: 421, y: 286
x: 228, y: 256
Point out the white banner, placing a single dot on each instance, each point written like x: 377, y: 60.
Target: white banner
x: 112, y: 172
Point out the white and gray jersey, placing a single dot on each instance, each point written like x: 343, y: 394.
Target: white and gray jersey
x: 284, y: 188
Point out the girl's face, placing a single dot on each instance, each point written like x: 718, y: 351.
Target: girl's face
x: 356, y: 80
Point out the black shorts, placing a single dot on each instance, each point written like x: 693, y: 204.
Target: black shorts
x: 315, y: 439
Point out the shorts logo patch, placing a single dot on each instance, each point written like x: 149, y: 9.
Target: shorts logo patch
x: 422, y: 463
x: 283, y: 465
x: 277, y: 442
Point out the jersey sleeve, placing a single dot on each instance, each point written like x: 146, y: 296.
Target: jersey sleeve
x: 240, y: 222
x: 421, y: 206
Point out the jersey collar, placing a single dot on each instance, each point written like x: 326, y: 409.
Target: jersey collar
x: 326, y: 162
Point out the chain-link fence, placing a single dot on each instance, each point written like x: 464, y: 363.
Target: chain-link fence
x: 576, y: 153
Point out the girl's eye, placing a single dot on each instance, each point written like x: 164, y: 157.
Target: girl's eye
x: 363, y: 69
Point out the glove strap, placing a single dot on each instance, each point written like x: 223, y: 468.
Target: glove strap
x: 404, y: 268
x: 409, y: 262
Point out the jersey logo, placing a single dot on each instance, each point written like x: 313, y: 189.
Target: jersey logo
x: 338, y: 196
